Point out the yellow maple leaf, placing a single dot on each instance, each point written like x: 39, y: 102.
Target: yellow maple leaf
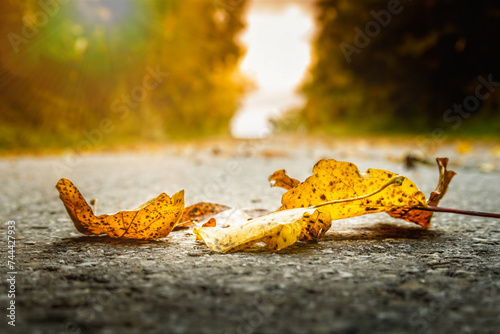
x: 335, y: 180
x: 152, y: 220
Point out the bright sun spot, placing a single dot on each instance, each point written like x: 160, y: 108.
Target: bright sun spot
x: 278, y: 53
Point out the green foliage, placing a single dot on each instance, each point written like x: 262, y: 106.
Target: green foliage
x: 131, y: 70
x: 426, y: 58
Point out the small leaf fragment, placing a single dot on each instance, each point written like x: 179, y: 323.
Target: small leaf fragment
x: 315, y: 225
x: 193, y: 212
x: 152, y: 220
x: 281, y: 179
x: 210, y: 223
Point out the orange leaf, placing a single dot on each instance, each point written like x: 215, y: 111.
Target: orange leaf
x: 152, y: 220
x: 194, y: 212
x: 210, y: 223
x: 281, y: 179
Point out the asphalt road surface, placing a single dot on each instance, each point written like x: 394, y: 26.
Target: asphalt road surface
x: 370, y: 274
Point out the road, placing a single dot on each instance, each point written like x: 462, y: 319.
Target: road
x: 370, y: 274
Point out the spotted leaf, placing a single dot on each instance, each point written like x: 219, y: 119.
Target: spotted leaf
x: 152, y: 220
x: 336, y: 180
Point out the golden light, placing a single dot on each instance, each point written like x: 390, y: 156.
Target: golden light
x: 278, y: 53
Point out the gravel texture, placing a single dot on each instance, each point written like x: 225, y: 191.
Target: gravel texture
x: 370, y: 274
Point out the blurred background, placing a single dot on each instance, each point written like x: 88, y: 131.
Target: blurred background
x: 91, y: 73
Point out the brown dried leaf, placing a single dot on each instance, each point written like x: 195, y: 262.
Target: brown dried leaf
x: 281, y: 179
x: 152, y: 220
x: 196, y: 211
x: 210, y: 223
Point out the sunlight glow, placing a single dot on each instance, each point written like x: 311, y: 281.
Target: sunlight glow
x: 278, y: 53
x: 277, y: 58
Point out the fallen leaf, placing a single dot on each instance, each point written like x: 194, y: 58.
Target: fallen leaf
x: 277, y: 230
x: 210, y: 223
x: 335, y: 180
x: 281, y: 179
x: 196, y: 211
x: 152, y: 220
x: 412, y: 159
x: 233, y: 217
x: 423, y: 218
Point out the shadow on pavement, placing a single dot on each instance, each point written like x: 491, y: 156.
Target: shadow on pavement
x: 104, y: 239
x: 381, y: 231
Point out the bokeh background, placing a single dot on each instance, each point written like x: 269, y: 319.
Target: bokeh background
x: 92, y: 73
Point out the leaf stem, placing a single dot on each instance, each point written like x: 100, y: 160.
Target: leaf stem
x: 457, y: 211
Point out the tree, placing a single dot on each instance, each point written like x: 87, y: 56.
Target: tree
x: 148, y: 70
x: 403, y: 64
